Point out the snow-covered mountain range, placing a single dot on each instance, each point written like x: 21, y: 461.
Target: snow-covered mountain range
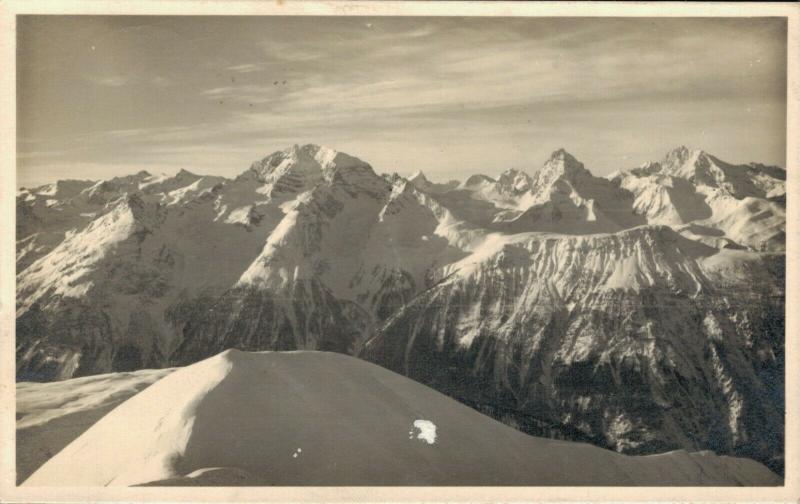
x: 643, y: 311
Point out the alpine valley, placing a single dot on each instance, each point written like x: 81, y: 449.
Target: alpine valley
x: 641, y: 312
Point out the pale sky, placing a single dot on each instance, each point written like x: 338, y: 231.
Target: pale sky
x: 105, y: 96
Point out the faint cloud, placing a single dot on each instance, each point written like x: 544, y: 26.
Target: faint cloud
x: 422, y: 31
x: 289, y: 52
x: 218, y: 91
x: 246, y: 68
x: 25, y: 155
x: 124, y: 80
x: 125, y: 133
x: 160, y: 81
x: 110, y: 81
x: 247, y: 93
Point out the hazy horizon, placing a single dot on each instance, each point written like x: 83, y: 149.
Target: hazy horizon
x: 100, y: 97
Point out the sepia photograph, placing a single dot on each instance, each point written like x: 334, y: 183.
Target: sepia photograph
x: 364, y: 248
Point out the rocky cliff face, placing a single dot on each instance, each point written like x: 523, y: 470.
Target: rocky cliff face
x: 641, y: 312
x: 641, y: 341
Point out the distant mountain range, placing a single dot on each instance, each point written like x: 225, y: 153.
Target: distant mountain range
x: 642, y: 312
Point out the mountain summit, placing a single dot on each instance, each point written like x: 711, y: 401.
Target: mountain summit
x: 561, y: 164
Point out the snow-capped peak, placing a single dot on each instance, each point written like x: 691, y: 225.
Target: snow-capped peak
x: 679, y: 156
x: 647, y: 168
x: 184, y: 173
x: 682, y: 161
x: 514, y: 181
x: 421, y: 182
x: 680, y: 152
x: 564, y: 162
x: 418, y: 176
x: 479, y: 179
x: 560, y: 165
x: 332, y: 161
x: 61, y: 189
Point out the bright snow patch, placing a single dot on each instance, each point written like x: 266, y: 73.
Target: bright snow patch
x: 427, y: 430
x: 239, y: 216
x: 152, y: 180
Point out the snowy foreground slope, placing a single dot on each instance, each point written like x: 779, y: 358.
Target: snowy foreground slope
x: 643, y: 312
x: 52, y: 415
x: 317, y: 418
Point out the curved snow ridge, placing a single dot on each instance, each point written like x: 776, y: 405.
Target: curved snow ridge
x: 38, y: 404
x: 141, y: 439
x: 318, y: 418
